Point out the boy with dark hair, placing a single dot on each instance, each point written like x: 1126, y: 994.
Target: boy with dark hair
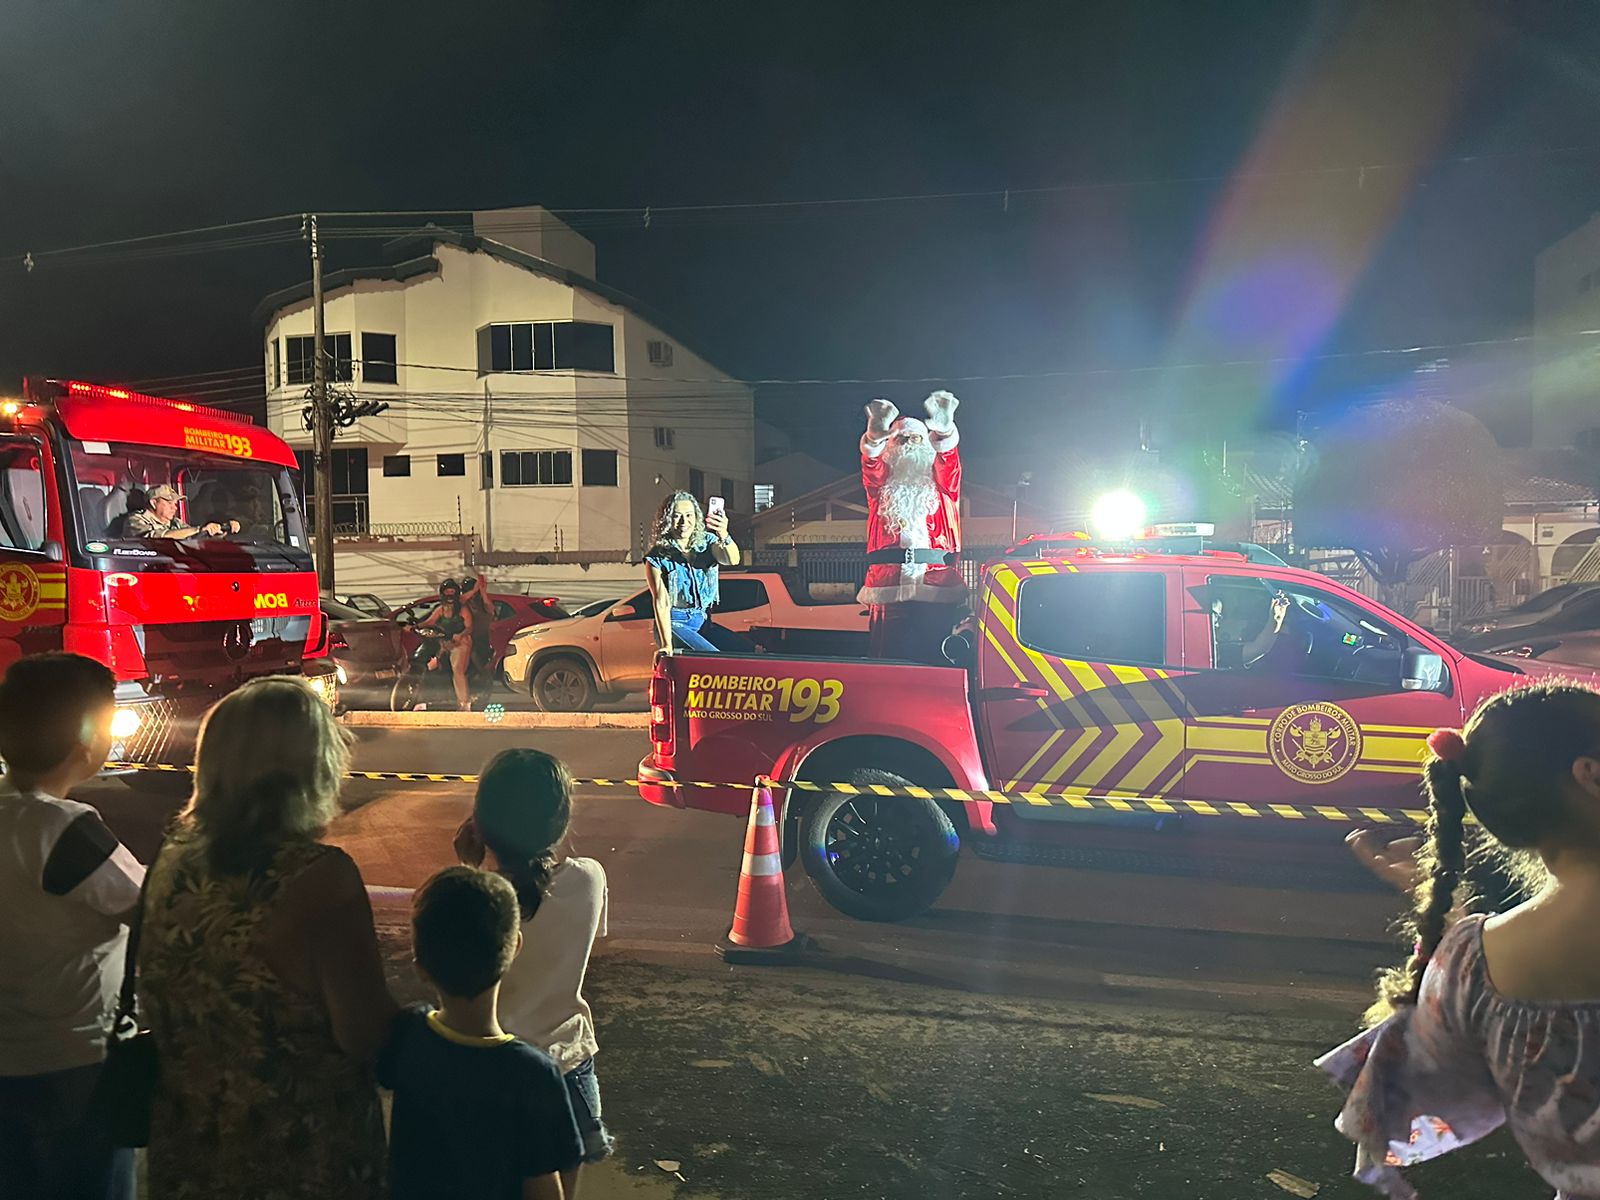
x: 68, y: 889
x: 477, y: 1113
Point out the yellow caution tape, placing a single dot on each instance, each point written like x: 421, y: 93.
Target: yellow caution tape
x: 1128, y: 804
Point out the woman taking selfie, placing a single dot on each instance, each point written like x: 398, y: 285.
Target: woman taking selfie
x: 682, y: 571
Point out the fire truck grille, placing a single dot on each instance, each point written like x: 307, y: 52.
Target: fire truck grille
x: 166, y: 734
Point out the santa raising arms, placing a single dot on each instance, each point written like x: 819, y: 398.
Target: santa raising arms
x: 911, y: 471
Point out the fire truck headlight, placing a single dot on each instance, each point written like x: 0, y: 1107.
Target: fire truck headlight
x: 125, y: 723
x: 324, y: 686
x: 1117, y: 516
x: 341, y: 675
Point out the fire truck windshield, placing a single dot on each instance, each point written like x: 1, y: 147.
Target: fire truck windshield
x: 125, y: 505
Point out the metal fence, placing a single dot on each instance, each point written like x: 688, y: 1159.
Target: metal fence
x: 848, y: 564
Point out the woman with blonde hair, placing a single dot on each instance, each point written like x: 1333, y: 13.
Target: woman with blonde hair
x: 681, y: 569
x: 259, y: 971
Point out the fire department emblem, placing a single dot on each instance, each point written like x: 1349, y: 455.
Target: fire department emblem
x: 19, y: 592
x: 1315, y: 743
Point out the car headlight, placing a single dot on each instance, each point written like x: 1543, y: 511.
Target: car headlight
x: 125, y: 723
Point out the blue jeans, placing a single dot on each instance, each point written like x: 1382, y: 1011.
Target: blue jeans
x: 583, y: 1089
x: 53, y: 1146
x: 693, y: 630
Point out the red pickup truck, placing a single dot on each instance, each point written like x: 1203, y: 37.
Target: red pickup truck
x: 1086, y: 672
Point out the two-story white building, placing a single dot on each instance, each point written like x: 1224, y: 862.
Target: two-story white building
x: 535, y: 418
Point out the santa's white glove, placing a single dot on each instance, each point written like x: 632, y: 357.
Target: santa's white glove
x: 941, y: 408
x: 881, y: 416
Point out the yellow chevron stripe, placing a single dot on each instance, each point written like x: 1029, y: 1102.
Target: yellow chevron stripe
x: 1055, y: 736
x: 1084, y: 739
x: 1157, y: 759
x: 1263, y: 722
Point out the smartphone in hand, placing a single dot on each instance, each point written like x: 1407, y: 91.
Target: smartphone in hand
x: 716, y: 507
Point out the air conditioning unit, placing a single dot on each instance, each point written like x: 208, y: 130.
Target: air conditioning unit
x: 660, y: 353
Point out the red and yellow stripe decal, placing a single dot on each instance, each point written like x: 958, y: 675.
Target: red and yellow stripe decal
x: 1125, y: 732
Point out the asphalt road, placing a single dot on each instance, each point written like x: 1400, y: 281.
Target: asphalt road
x: 1133, y: 1023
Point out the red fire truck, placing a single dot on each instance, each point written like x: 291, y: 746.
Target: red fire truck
x: 180, y: 621
x: 1109, y: 673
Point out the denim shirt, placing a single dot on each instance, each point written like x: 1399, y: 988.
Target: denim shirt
x: 691, y: 578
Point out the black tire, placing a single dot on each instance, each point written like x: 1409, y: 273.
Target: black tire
x: 406, y: 692
x: 878, y: 858
x: 562, y: 685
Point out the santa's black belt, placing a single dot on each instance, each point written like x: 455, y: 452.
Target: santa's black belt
x: 909, y: 558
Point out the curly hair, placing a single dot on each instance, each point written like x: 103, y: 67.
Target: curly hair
x: 662, y: 534
x: 1519, y: 748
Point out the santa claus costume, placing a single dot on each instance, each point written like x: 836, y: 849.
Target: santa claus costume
x: 911, y: 471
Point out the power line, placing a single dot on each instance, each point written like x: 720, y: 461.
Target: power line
x: 646, y: 215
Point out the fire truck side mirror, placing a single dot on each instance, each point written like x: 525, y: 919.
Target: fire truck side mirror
x: 53, y: 552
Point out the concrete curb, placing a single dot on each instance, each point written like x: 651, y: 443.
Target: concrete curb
x: 510, y: 720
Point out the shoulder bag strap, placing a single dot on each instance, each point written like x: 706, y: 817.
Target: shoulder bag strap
x: 130, y: 962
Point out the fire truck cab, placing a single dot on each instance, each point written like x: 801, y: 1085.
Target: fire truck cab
x: 179, y: 620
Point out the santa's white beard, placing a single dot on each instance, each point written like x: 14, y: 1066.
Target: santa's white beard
x: 909, y: 498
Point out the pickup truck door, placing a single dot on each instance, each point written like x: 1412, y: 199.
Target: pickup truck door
x: 33, y: 575
x: 742, y: 604
x: 1321, y: 713
x: 628, y: 644
x: 1074, y: 689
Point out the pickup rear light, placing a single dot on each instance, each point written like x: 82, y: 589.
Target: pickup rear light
x: 661, y: 729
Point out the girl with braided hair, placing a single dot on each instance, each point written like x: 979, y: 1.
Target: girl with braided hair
x: 1494, y: 1020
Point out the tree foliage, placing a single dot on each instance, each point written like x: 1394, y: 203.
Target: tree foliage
x: 1397, y: 480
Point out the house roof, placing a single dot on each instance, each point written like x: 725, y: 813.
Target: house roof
x: 396, y: 268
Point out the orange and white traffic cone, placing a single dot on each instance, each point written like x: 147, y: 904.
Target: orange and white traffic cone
x: 761, y: 932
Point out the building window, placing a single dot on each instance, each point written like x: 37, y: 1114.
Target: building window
x: 664, y: 438
x: 379, y: 362
x: 535, y: 468
x: 697, y: 483
x: 277, y: 363
x: 396, y: 466
x: 766, y: 496
x: 485, y: 469
x: 452, y: 464
x: 349, y: 470
x: 341, y: 368
x: 660, y: 353
x: 599, y: 468
x: 729, y: 488
x: 300, y: 358
x: 546, y: 346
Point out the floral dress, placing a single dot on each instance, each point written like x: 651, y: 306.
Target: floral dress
x: 256, y: 1100
x: 1466, y: 1060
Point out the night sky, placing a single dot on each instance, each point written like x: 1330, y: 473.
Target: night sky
x: 1218, y: 212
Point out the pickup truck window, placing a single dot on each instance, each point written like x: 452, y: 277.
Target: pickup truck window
x: 738, y: 595
x: 1320, y: 634
x: 1098, y: 616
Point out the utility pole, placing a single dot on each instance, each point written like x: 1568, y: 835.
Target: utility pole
x: 321, y: 421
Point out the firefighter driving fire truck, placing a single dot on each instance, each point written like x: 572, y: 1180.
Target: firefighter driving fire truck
x: 1159, y: 670
x: 161, y: 538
